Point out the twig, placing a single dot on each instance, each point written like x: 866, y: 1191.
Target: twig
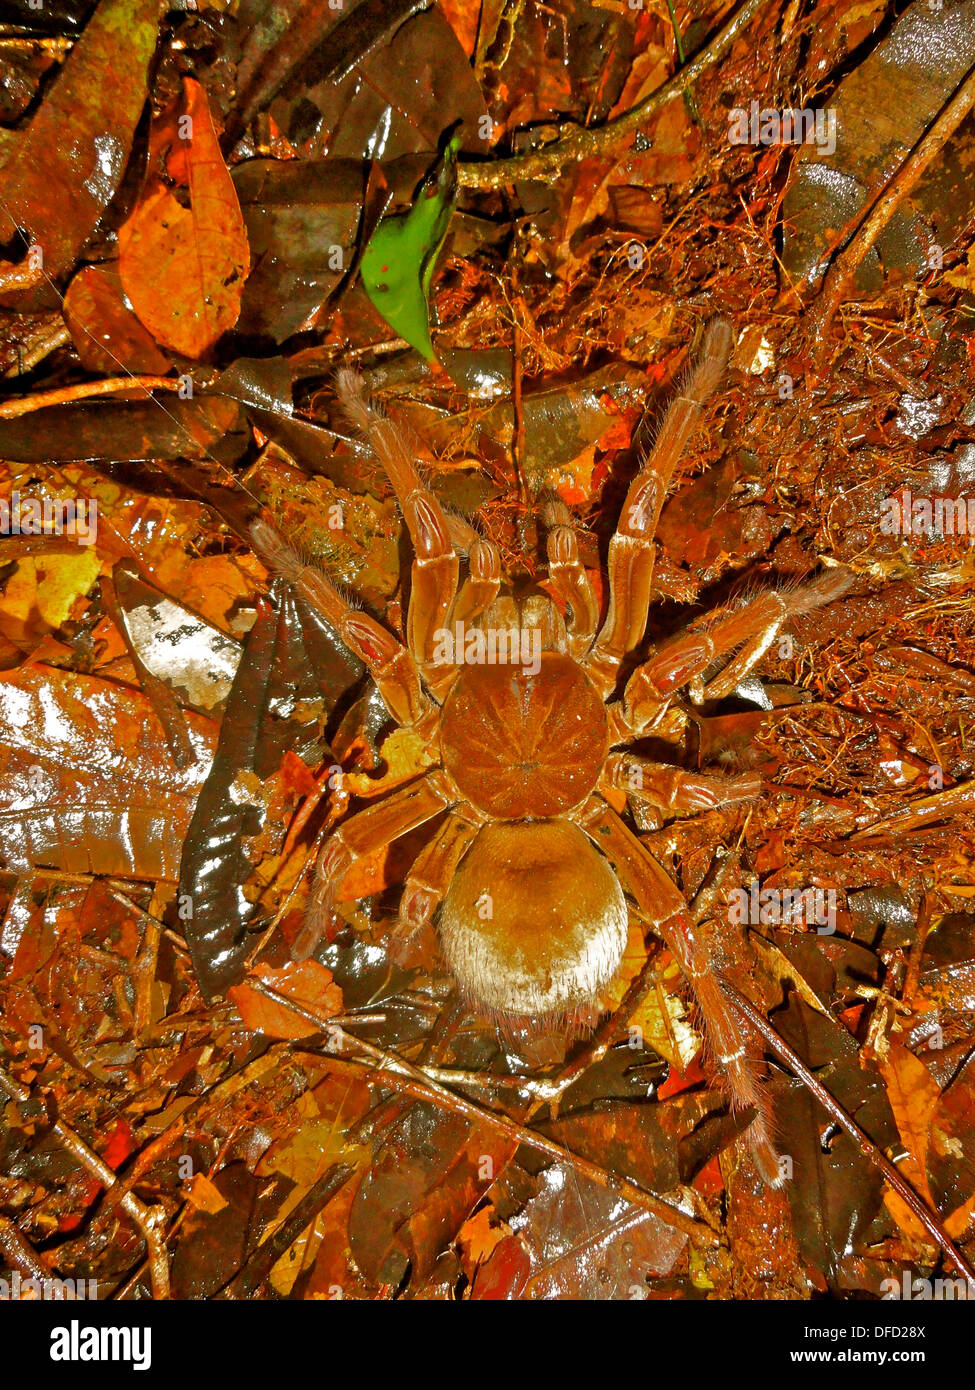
x: 262, y: 1260
x: 396, y: 1073
x: 866, y: 1145
x: 604, y: 140
x: 109, y: 386
x: 19, y: 1253
x: 151, y: 1221
x: 842, y: 270
x: 42, y: 348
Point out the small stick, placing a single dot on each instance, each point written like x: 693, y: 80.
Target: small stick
x: 19, y: 1253
x: 844, y: 267
x: 151, y: 1221
x: 863, y: 1141
x: 26, y: 405
x: 606, y: 139
x: 396, y: 1073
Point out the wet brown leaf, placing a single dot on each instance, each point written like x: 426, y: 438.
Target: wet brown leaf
x: 183, y: 267
x: 307, y: 982
x: 88, y: 784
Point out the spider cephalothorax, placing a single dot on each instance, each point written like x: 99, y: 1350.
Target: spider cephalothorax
x: 529, y: 720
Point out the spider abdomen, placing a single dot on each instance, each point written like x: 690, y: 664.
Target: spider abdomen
x: 534, y: 923
x: 523, y: 744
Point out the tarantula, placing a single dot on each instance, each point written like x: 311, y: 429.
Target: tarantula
x: 533, y: 872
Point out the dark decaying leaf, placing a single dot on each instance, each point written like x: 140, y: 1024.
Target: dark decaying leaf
x: 296, y: 42
x: 881, y: 111
x: 397, y: 98
x: 585, y: 1243
x: 130, y: 430
x: 214, y: 1243
x: 270, y: 711
x: 424, y: 1182
x: 835, y: 1192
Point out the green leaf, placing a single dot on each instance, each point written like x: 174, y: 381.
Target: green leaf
x: 397, y: 265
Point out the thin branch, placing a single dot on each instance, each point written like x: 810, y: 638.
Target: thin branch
x: 109, y: 386
x: 866, y: 1145
x: 395, y: 1073
x: 840, y: 275
x: 151, y: 1221
x: 606, y: 140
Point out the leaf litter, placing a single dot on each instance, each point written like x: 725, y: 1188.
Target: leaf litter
x: 182, y: 277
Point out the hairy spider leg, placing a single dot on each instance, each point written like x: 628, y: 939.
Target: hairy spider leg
x: 483, y: 582
x: 387, y: 660
x: 435, y: 564
x: 672, y: 789
x: 429, y: 878
x: 568, y: 576
x: 663, y: 906
x: 824, y: 589
x: 360, y: 835
x: 631, y: 550
x: 684, y: 660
